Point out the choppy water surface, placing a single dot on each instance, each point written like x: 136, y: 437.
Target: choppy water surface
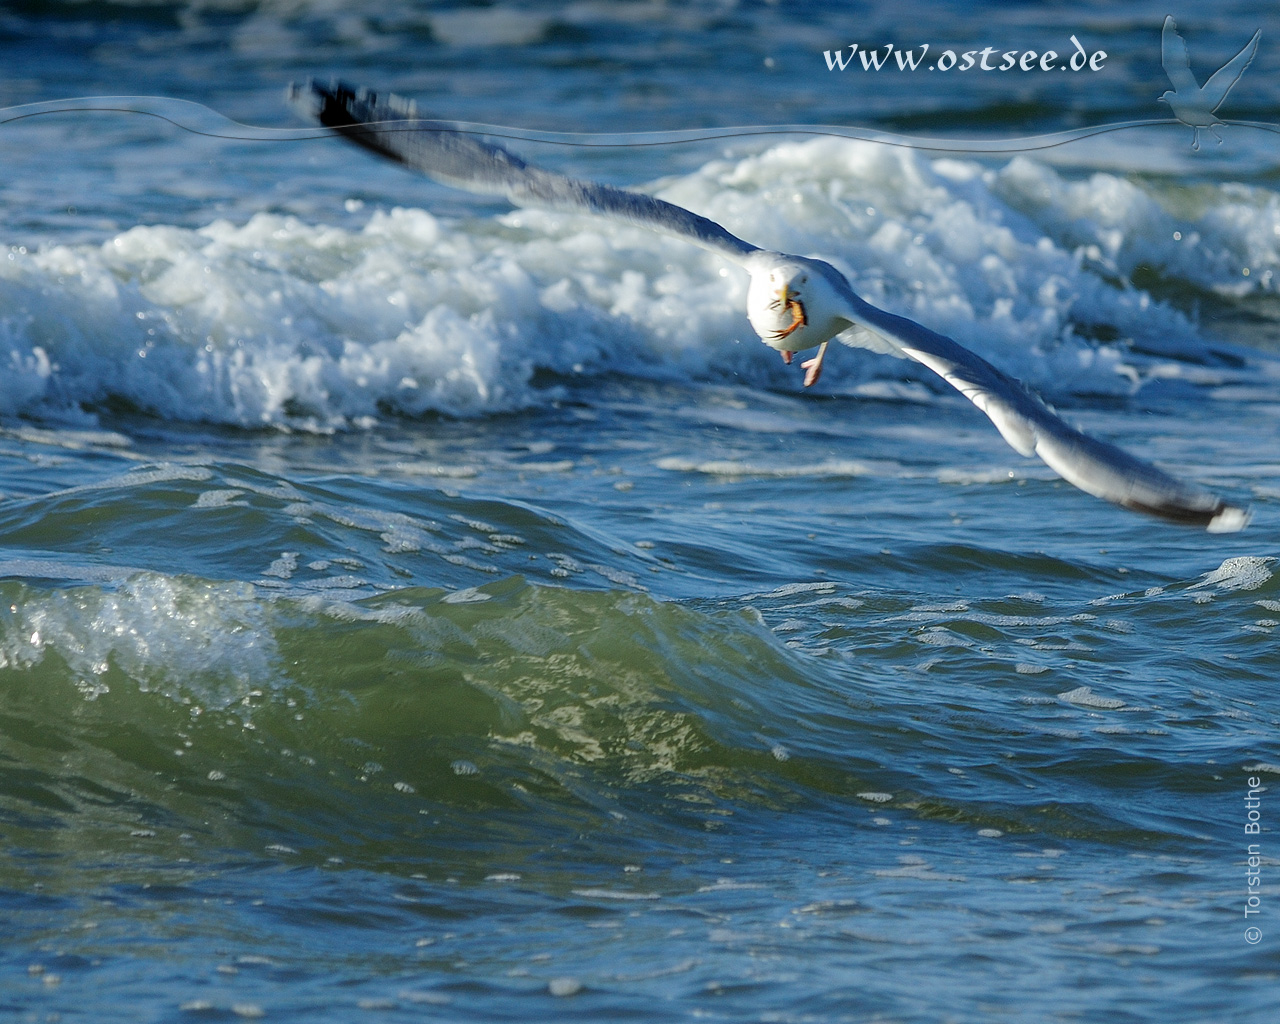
x: 416, y: 609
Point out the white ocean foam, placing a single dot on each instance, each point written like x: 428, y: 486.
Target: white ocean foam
x: 1085, y: 697
x: 220, y: 499
x: 1246, y: 572
x: 616, y: 894
x: 791, y: 589
x: 936, y: 636
x: 734, y: 467
x: 1126, y: 225
x: 51, y: 569
x: 187, y: 638
x: 277, y: 321
x: 141, y: 477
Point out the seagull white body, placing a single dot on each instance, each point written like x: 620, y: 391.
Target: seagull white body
x: 793, y: 305
x: 793, y: 302
x: 1192, y: 104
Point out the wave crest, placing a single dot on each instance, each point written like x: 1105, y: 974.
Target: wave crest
x: 278, y: 322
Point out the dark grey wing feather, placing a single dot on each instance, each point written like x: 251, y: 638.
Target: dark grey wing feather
x: 391, y: 127
x: 1032, y: 428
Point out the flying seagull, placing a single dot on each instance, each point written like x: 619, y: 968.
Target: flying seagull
x: 1192, y: 104
x: 794, y: 303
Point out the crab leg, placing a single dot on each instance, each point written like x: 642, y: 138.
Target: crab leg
x: 798, y: 319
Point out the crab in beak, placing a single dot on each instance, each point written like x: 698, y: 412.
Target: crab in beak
x: 787, y: 299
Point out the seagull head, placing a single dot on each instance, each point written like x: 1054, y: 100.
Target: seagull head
x: 792, y: 303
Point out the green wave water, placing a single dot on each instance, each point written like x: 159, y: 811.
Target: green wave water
x: 467, y: 719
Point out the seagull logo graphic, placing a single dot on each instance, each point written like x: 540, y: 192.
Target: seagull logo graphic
x: 1192, y: 104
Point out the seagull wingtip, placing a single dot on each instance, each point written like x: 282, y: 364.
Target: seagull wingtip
x: 306, y: 96
x: 337, y: 103
x: 1229, y: 520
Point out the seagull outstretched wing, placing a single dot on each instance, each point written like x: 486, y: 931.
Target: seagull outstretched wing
x: 1215, y: 90
x: 1175, y: 59
x: 1032, y: 428
x: 392, y: 128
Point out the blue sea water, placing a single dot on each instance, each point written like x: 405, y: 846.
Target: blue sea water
x: 418, y: 609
